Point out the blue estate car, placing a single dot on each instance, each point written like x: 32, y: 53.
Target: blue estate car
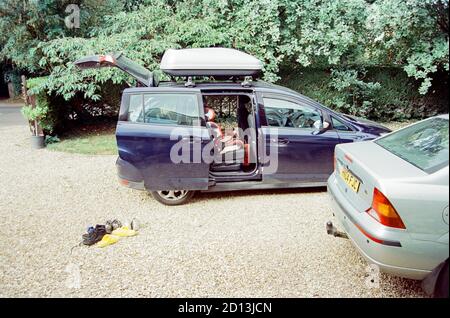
x: 170, y: 141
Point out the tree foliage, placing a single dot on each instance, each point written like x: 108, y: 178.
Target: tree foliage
x: 345, y: 37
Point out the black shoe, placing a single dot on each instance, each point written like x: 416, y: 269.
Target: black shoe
x: 94, y: 235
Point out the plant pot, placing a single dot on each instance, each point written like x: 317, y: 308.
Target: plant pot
x: 37, y: 142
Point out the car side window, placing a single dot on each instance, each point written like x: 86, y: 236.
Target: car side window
x: 283, y: 113
x: 339, y: 125
x: 172, y: 109
x: 136, y: 109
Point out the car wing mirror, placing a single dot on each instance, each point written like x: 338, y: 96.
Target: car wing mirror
x: 320, y: 127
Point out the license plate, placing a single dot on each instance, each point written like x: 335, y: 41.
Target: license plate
x: 350, y: 180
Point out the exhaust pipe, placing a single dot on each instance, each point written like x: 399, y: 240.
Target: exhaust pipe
x: 332, y: 230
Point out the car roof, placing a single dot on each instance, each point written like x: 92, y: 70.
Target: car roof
x: 234, y: 85
x: 255, y: 86
x: 258, y: 86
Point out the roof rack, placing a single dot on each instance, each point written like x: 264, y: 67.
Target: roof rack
x: 189, y: 82
x: 246, y: 82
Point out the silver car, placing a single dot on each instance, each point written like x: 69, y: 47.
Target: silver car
x: 391, y: 197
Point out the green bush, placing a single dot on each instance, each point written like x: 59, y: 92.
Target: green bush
x: 51, y: 140
x: 376, y: 93
x: 348, y: 35
x: 346, y: 38
x: 358, y: 96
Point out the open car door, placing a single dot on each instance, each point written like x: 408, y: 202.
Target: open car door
x: 140, y: 73
x: 161, y: 133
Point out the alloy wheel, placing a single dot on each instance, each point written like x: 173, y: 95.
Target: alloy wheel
x: 173, y: 195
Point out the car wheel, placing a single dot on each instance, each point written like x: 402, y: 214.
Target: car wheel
x: 441, y: 289
x: 172, y: 197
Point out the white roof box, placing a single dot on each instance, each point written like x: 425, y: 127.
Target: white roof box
x: 210, y: 62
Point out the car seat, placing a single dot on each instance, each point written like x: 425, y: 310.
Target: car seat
x: 229, y: 150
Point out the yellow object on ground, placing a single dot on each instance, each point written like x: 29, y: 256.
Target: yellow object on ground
x: 107, y: 240
x: 124, y: 231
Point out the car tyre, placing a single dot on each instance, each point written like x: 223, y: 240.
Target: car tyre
x: 173, y: 197
x: 441, y: 289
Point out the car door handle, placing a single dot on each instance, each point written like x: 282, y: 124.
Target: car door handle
x: 281, y: 141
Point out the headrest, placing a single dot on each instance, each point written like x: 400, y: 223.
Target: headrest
x: 210, y: 114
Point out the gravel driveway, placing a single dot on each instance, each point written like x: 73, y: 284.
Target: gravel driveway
x: 255, y: 244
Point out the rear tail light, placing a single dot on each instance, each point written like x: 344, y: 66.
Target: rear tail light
x: 384, y: 212
x: 107, y: 59
x: 124, y: 182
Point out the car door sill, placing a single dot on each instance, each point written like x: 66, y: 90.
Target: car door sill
x: 258, y: 185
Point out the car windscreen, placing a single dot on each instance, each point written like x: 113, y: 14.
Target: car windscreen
x: 424, y: 145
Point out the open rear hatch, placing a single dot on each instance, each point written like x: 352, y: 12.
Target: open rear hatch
x: 140, y: 73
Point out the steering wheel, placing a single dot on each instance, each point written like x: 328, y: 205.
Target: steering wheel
x: 298, y: 119
x: 280, y: 118
x: 429, y: 141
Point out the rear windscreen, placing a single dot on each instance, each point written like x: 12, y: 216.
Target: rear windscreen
x: 165, y: 109
x: 424, y: 145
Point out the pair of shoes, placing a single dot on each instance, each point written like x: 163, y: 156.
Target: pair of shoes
x: 124, y: 231
x: 112, y: 225
x: 94, y: 235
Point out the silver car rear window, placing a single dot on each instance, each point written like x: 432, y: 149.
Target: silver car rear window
x: 424, y: 145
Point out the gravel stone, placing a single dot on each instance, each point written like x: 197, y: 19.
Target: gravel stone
x: 236, y: 244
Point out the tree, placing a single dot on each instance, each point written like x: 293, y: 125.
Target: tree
x: 344, y: 37
x: 26, y: 24
x: 411, y: 34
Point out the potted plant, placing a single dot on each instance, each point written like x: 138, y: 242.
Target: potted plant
x: 34, y: 115
x: 37, y: 110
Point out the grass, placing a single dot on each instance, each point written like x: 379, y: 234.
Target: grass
x: 88, y: 141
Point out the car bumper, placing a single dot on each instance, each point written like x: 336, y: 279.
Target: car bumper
x: 132, y: 184
x: 391, y: 251
x: 129, y: 176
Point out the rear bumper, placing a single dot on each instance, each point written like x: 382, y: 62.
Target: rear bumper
x: 393, y: 251
x: 129, y: 176
x: 132, y: 184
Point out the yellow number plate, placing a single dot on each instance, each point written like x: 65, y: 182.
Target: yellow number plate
x: 350, y: 179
